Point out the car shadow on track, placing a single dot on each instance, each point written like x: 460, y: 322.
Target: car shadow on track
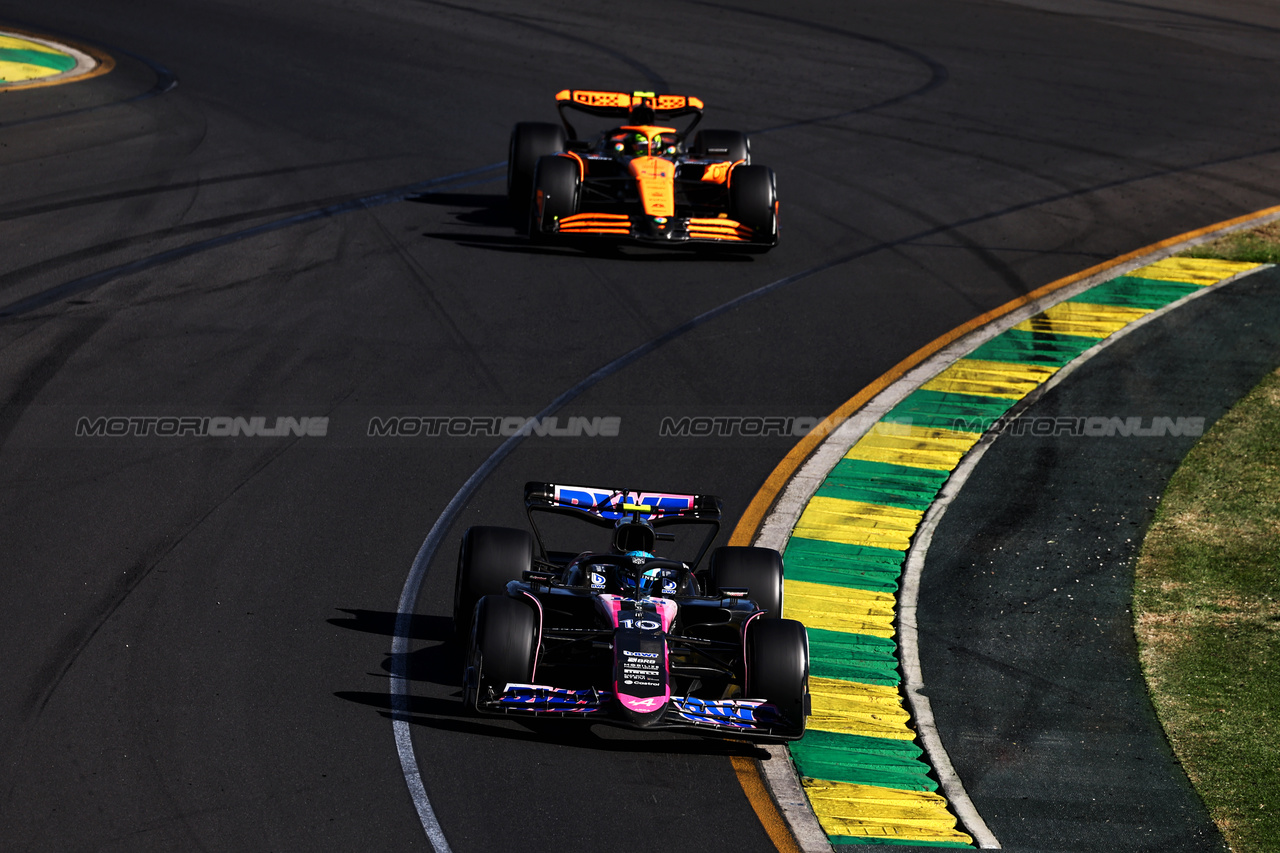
x: 441, y: 664
x: 491, y: 211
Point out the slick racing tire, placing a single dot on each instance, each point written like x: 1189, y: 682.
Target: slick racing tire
x: 730, y: 145
x: 758, y: 570
x: 504, y: 645
x: 557, y: 186
x: 753, y: 201
x: 778, y: 670
x: 488, y: 559
x: 530, y: 141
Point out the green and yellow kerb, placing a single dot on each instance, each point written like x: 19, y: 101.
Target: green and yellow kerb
x: 865, y: 776
x: 28, y: 61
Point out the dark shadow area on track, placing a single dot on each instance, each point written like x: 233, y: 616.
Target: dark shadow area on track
x: 1028, y: 651
x: 384, y: 622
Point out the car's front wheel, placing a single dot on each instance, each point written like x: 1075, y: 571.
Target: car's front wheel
x: 778, y: 670
x: 557, y: 186
x: 504, y: 647
x: 753, y: 201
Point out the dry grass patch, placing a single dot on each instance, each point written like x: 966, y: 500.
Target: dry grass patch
x: 1257, y: 245
x: 1207, y: 617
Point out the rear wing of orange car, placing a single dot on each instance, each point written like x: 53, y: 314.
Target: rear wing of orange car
x: 635, y: 107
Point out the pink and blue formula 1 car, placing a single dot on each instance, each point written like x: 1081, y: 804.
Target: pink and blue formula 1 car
x: 625, y: 636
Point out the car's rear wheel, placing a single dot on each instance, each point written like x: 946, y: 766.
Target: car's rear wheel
x: 488, y: 559
x: 530, y: 141
x: 758, y: 570
x: 504, y: 646
x: 730, y: 145
x: 753, y: 201
x: 778, y: 670
x: 557, y: 186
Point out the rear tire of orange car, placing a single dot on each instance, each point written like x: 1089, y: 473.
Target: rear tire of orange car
x: 530, y: 141
x: 723, y: 145
x: 557, y: 186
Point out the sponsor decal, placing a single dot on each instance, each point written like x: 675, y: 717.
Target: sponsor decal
x: 607, y: 504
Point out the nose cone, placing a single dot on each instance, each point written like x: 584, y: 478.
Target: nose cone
x: 656, y: 179
x: 640, y: 675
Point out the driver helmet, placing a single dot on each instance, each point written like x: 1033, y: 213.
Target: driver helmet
x: 650, y: 581
x: 631, y: 144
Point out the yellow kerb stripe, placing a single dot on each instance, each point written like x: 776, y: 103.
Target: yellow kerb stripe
x: 23, y: 44
x: 1083, y: 319
x: 915, y: 447
x: 1202, y: 271
x: 857, y: 523
x: 872, y: 812
x: 851, y: 708
x: 838, y: 608
x: 990, y: 378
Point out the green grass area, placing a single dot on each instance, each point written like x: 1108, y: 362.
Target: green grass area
x: 1207, y: 615
x: 1258, y: 245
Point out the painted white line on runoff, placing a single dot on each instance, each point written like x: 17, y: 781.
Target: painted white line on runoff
x: 776, y: 529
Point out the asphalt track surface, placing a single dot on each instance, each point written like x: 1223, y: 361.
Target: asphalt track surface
x: 197, y: 630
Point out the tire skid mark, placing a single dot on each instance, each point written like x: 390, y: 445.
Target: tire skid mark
x: 94, y: 280
x: 653, y: 77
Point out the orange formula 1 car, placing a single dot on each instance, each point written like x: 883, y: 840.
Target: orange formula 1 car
x: 640, y: 181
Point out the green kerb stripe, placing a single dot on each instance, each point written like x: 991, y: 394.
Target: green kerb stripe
x: 882, y: 483
x: 1136, y: 292
x: 54, y: 61
x: 853, y: 657
x: 1023, y: 347
x: 880, y: 840
x: 945, y: 410
x: 837, y: 564
x: 861, y: 760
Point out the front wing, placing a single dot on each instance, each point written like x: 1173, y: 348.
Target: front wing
x: 644, y: 229
x: 753, y: 718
